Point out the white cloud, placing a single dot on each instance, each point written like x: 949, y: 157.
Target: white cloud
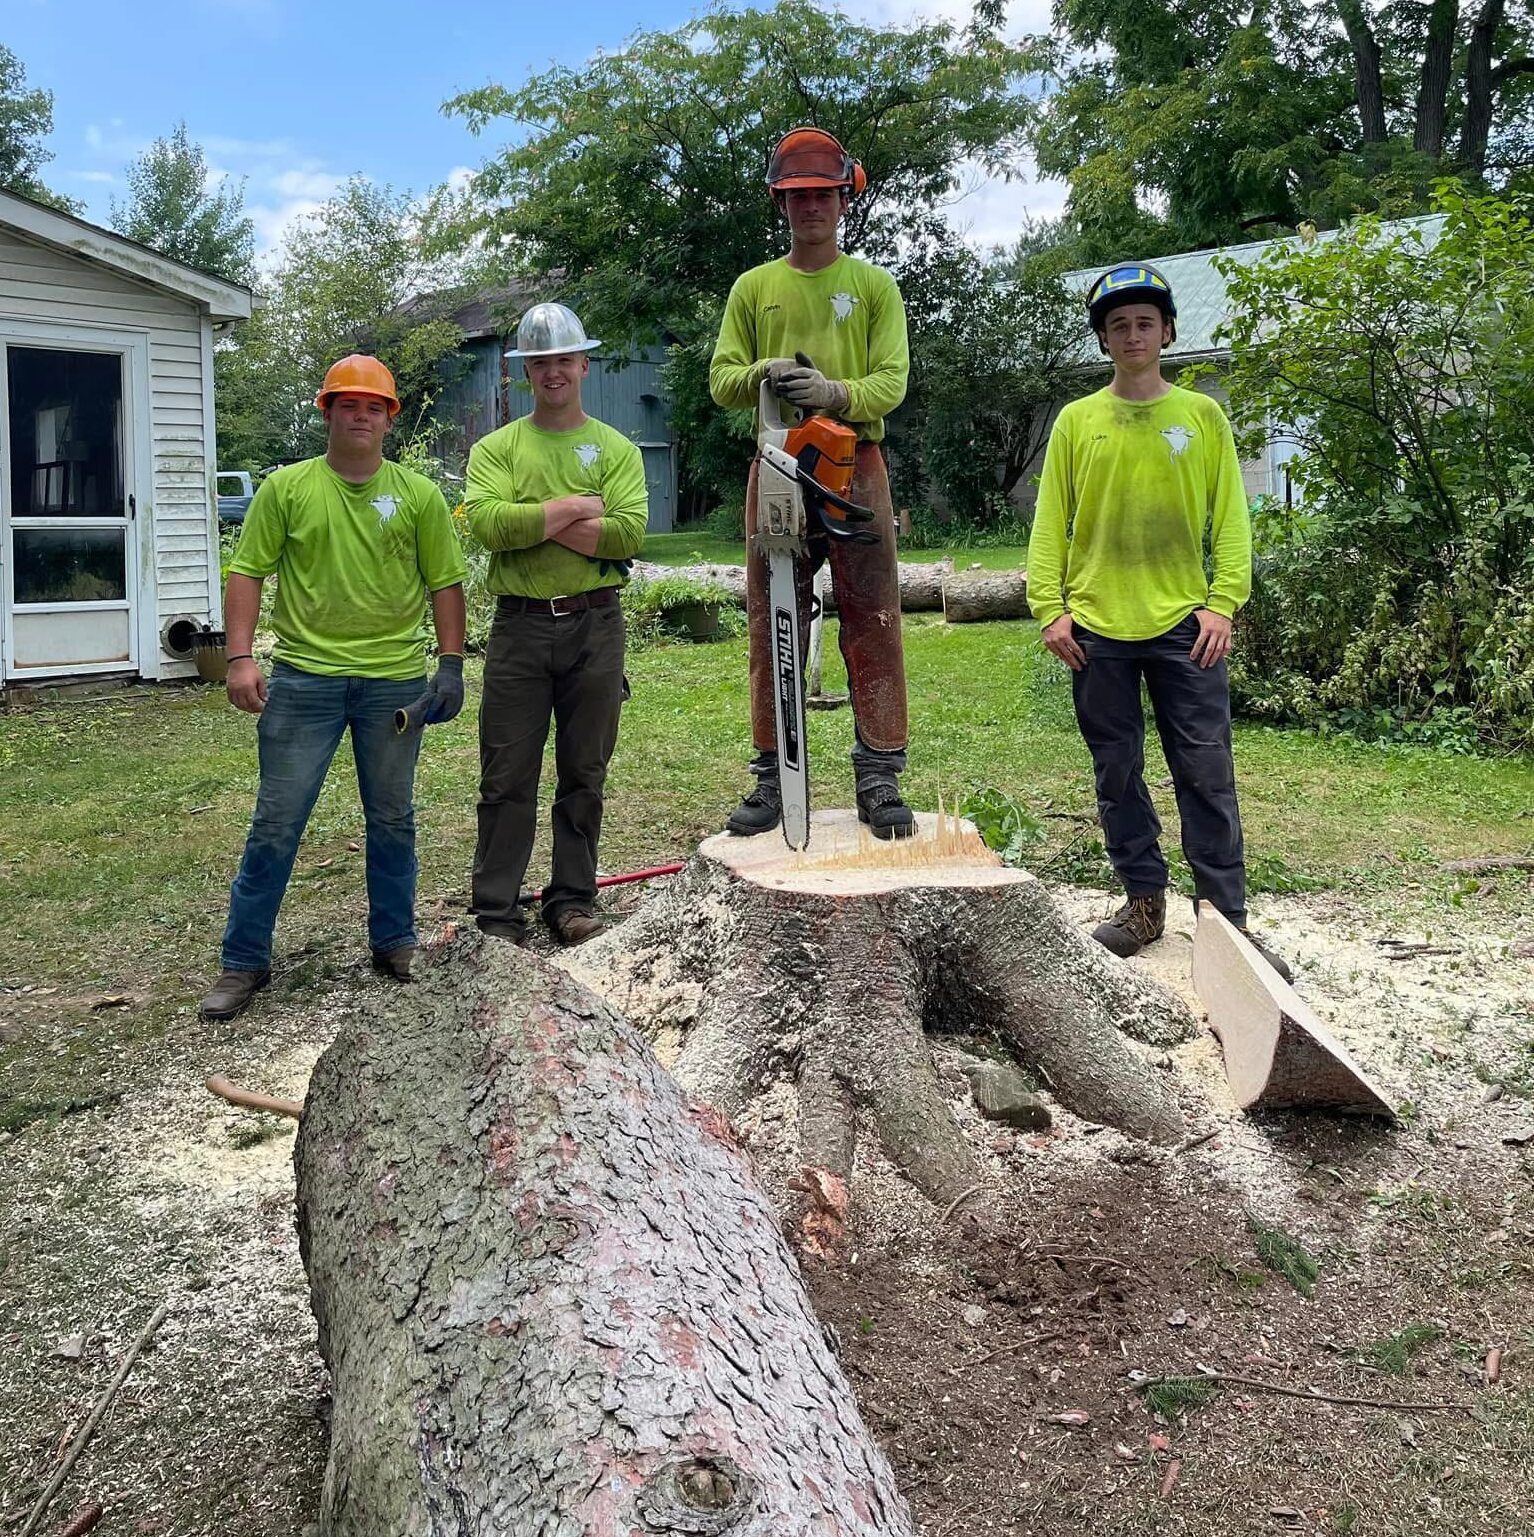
x: 274, y: 220
x: 307, y: 180
x: 459, y: 177
x: 988, y: 211
x: 103, y: 178
x: 1023, y: 16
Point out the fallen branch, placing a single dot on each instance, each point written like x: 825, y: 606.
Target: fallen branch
x: 1312, y: 1395
x: 248, y: 1099
x: 956, y: 1203
x: 1001, y: 1350
x: 1488, y: 865
x: 1092, y: 1259
x: 89, y: 1428
x: 84, y: 1520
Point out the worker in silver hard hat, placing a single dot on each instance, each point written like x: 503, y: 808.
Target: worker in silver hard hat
x: 547, y: 329
x: 559, y: 500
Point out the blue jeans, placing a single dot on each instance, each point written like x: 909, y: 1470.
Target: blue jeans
x: 298, y: 732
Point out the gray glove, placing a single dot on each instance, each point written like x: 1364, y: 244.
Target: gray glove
x: 805, y: 386
x: 776, y: 368
x: 441, y: 701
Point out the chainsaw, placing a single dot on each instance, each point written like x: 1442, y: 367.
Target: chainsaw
x: 804, y: 471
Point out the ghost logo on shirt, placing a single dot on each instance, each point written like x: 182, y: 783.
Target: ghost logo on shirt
x: 385, y: 507
x: 1177, y: 439
x: 842, y: 306
x: 588, y: 454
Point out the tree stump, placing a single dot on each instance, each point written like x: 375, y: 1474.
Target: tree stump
x: 552, y: 1299
x: 826, y: 968
x: 971, y: 596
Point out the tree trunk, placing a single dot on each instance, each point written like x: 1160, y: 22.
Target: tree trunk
x: 921, y: 583
x: 822, y: 970
x: 551, y: 1297
x: 973, y: 595
x: 1366, y: 70
x: 1475, y: 132
x: 1437, y: 63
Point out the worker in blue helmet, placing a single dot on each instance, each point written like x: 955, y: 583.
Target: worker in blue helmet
x: 1137, y: 478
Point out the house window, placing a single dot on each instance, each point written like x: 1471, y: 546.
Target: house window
x: 66, y: 433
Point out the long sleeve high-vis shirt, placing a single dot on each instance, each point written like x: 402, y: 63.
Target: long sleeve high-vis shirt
x: 514, y: 470
x: 1129, y: 489
x: 848, y: 319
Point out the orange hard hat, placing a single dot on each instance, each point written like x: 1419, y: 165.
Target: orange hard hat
x: 811, y: 157
x: 358, y: 374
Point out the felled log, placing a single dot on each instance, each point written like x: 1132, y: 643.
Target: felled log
x: 552, y: 1299
x: 969, y: 596
x: 823, y: 968
x: 1278, y: 1055
x: 921, y: 583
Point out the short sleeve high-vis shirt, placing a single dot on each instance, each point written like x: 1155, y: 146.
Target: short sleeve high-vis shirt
x: 354, y: 566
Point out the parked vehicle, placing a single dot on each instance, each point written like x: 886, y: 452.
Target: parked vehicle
x: 233, y: 505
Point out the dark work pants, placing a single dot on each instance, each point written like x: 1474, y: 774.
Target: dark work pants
x: 537, y: 666
x: 1192, y: 709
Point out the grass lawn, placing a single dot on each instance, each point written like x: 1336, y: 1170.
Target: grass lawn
x: 122, y: 816
x: 694, y: 548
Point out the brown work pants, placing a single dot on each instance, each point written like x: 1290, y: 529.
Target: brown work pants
x: 867, y: 604
x: 538, y: 666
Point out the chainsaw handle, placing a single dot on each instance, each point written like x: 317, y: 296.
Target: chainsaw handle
x: 769, y: 407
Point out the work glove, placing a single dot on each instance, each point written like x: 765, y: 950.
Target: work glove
x: 776, y: 368
x: 441, y: 701
x: 805, y: 386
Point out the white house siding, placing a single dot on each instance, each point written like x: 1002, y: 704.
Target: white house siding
x: 38, y: 283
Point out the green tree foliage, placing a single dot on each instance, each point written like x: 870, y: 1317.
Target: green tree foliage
x: 1183, y: 124
x: 361, y: 274
x: 639, y: 177
x: 171, y: 208
x: 26, y: 119
x: 995, y: 343
x: 1400, y: 595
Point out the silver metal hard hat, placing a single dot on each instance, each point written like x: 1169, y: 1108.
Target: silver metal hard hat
x: 548, y: 329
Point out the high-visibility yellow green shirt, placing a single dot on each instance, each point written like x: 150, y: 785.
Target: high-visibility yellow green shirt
x: 848, y: 319
x: 354, y: 565
x: 1128, y: 491
x: 514, y: 470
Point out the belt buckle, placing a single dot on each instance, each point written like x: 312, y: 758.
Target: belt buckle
x: 555, y: 612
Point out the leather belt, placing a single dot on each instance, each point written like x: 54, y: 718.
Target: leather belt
x: 598, y: 597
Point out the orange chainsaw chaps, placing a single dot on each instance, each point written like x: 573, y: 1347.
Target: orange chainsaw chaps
x: 827, y: 451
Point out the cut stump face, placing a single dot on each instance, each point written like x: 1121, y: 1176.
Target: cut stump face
x: 826, y: 968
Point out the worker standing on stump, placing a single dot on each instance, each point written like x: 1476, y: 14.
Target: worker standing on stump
x: 1139, y: 473
x: 829, y: 334
x: 560, y: 501
x: 357, y: 544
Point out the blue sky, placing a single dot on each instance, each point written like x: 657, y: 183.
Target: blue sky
x: 296, y: 95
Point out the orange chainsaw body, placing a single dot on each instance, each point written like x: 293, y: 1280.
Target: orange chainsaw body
x: 827, y: 452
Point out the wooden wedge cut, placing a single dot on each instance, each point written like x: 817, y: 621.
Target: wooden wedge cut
x: 1278, y: 1055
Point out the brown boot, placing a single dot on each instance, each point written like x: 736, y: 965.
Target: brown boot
x: 1139, y: 922
x: 574, y: 926
x: 233, y: 990
x: 1276, y: 961
x: 394, y: 963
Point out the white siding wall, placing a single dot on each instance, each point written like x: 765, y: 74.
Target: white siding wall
x: 38, y: 284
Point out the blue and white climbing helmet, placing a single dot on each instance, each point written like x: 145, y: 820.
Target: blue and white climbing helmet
x: 1133, y: 283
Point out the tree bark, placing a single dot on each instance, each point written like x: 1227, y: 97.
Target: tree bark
x: 1437, y: 64
x: 552, y: 1299
x: 822, y: 970
x: 921, y: 582
x: 975, y: 595
x: 1475, y: 130
x: 1368, y: 88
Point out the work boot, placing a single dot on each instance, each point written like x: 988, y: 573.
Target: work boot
x: 394, y: 963
x: 1139, y: 922
x: 233, y: 990
x: 880, y: 806
x: 1277, y: 962
x: 574, y: 925
x: 762, y: 809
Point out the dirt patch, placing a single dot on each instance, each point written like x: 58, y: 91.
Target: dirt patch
x: 1100, y: 1259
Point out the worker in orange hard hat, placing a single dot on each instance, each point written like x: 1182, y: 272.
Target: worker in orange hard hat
x: 358, y: 374
x: 847, y: 318
x: 357, y: 544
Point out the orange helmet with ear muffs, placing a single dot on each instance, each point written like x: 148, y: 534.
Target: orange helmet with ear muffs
x: 811, y: 157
